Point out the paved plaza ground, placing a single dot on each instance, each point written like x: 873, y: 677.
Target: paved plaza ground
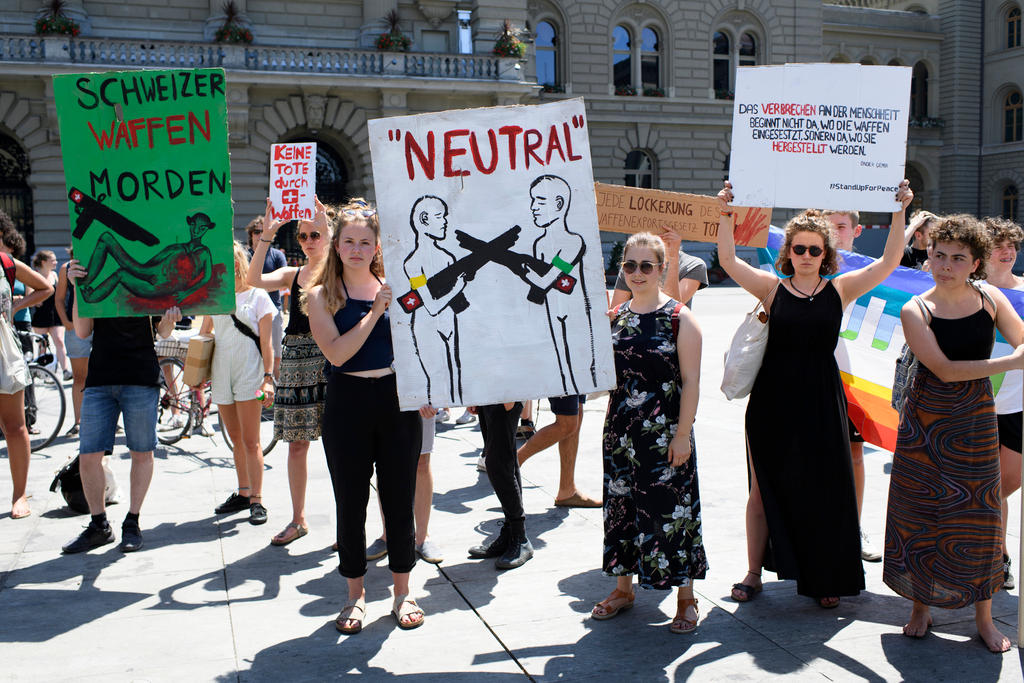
x: 208, y: 598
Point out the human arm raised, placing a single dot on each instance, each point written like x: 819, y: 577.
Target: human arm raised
x: 338, y: 348
x: 856, y: 283
x: 758, y: 282
x: 281, y: 277
x: 83, y: 326
x: 170, y: 318
x: 688, y: 349
x: 61, y: 292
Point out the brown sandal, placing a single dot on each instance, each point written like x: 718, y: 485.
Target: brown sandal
x: 685, y: 625
x: 608, y: 612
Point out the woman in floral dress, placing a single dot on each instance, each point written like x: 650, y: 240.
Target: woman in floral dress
x: 651, y: 500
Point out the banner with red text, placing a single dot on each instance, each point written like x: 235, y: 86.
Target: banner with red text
x: 293, y: 180
x: 149, y: 190
x: 490, y: 239
x: 831, y: 136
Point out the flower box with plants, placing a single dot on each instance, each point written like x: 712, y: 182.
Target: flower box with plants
x: 393, y: 40
x: 232, y: 30
x: 654, y: 92
x: 507, y: 44
x: 625, y: 90
x: 55, y: 22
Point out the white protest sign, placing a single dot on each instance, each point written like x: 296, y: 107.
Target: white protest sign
x: 293, y: 180
x: 831, y: 136
x: 491, y: 246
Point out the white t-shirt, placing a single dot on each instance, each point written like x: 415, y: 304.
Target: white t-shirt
x: 250, y: 307
x: 1011, y: 391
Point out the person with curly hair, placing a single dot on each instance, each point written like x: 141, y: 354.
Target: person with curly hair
x: 943, y: 530
x: 802, y: 510
x: 1006, y: 240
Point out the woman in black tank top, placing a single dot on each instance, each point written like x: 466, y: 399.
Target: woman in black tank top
x: 943, y: 537
x: 301, y: 384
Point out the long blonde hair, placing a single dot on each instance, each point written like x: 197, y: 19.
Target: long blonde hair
x: 241, y: 267
x: 328, y: 275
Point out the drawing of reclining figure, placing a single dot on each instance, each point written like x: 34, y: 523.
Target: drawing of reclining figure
x: 177, y: 270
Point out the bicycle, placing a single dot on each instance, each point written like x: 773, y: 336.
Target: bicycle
x: 183, y: 409
x: 45, y: 402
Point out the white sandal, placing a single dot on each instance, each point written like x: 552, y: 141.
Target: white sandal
x: 406, y: 607
x: 339, y: 623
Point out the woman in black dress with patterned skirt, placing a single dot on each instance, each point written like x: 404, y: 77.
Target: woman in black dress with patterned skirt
x: 802, y: 504
x: 651, y: 499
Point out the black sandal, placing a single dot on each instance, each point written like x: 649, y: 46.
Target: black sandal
x: 747, y: 590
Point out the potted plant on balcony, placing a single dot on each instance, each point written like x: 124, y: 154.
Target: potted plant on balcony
x: 625, y: 91
x: 507, y: 44
x: 56, y: 22
x: 232, y: 30
x: 393, y: 40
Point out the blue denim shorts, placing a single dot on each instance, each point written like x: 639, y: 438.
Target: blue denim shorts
x: 76, y: 346
x: 100, y: 409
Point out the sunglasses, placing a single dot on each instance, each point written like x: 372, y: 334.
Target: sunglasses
x: 314, y: 236
x: 646, y: 267
x: 365, y: 213
x: 800, y: 249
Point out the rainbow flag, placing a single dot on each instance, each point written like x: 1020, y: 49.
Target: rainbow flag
x: 871, y: 338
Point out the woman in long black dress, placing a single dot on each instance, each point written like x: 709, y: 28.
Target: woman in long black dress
x: 802, y: 498
x: 651, y: 498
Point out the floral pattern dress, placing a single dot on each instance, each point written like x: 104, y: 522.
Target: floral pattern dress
x: 651, y: 510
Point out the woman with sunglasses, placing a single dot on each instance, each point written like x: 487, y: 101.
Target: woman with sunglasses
x: 802, y: 505
x: 301, y: 383
x: 651, y: 499
x: 943, y: 530
x: 363, y: 427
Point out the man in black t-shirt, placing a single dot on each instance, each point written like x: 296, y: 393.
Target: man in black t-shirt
x: 123, y: 380
x: 916, y: 253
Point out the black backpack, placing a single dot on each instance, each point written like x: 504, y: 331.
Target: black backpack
x: 70, y: 482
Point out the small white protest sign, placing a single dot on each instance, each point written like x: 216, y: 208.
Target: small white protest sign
x: 820, y: 135
x: 293, y: 180
x: 489, y: 232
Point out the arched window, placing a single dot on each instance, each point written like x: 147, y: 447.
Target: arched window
x: 1013, y: 28
x: 546, y: 47
x: 868, y: 61
x: 721, y: 57
x: 650, y: 67
x: 726, y: 55
x: 1010, y: 198
x: 15, y: 194
x: 622, y: 51
x: 919, y: 91
x: 331, y: 188
x: 639, y: 169
x: 1012, y: 118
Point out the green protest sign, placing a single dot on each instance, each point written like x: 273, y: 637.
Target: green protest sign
x: 149, y: 190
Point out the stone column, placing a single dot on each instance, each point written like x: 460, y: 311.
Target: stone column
x: 961, y: 62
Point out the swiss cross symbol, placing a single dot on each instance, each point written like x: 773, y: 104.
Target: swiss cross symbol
x: 290, y: 196
x: 76, y: 196
x: 410, y: 301
x: 565, y: 283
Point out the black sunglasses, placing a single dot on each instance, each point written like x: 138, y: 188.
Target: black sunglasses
x: 799, y: 250
x: 315, y: 235
x: 646, y: 267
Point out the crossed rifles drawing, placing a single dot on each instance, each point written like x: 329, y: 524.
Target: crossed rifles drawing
x: 497, y: 250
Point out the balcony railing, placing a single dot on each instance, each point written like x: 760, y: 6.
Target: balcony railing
x: 164, y: 54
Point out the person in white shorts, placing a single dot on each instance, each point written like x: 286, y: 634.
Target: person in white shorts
x: 242, y: 382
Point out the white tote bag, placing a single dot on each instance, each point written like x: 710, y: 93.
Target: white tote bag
x: 743, y: 359
x: 13, y: 369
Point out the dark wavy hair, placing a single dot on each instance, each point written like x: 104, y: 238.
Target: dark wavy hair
x: 814, y: 221
x: 967, y: 230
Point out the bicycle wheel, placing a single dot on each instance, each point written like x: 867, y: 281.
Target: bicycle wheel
x: 46, y: 396
x: 267, y: 438
x: 174, y: 411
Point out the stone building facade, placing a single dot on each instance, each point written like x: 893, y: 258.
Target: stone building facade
x: 656, y: 76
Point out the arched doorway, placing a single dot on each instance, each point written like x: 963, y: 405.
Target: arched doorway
x: 15, y: 194
x: 332, y: 176
x: 917, y: 185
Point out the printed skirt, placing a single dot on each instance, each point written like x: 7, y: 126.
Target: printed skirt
x: 301, y: 388
x: 943, y: 539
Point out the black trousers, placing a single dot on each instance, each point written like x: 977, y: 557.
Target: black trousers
x: 363, y: 429
x: 498, y: 427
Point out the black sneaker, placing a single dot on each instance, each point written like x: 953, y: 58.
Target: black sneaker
x: 257, y: 514
x: 234, y: 503
x: 517, y: 554
x: 495, y: 548
x: 1008, y: 583
x: 91, y: 537
x: 131, y: 537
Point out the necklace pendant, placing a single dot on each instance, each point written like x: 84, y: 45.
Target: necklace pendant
x: 810, y: 298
